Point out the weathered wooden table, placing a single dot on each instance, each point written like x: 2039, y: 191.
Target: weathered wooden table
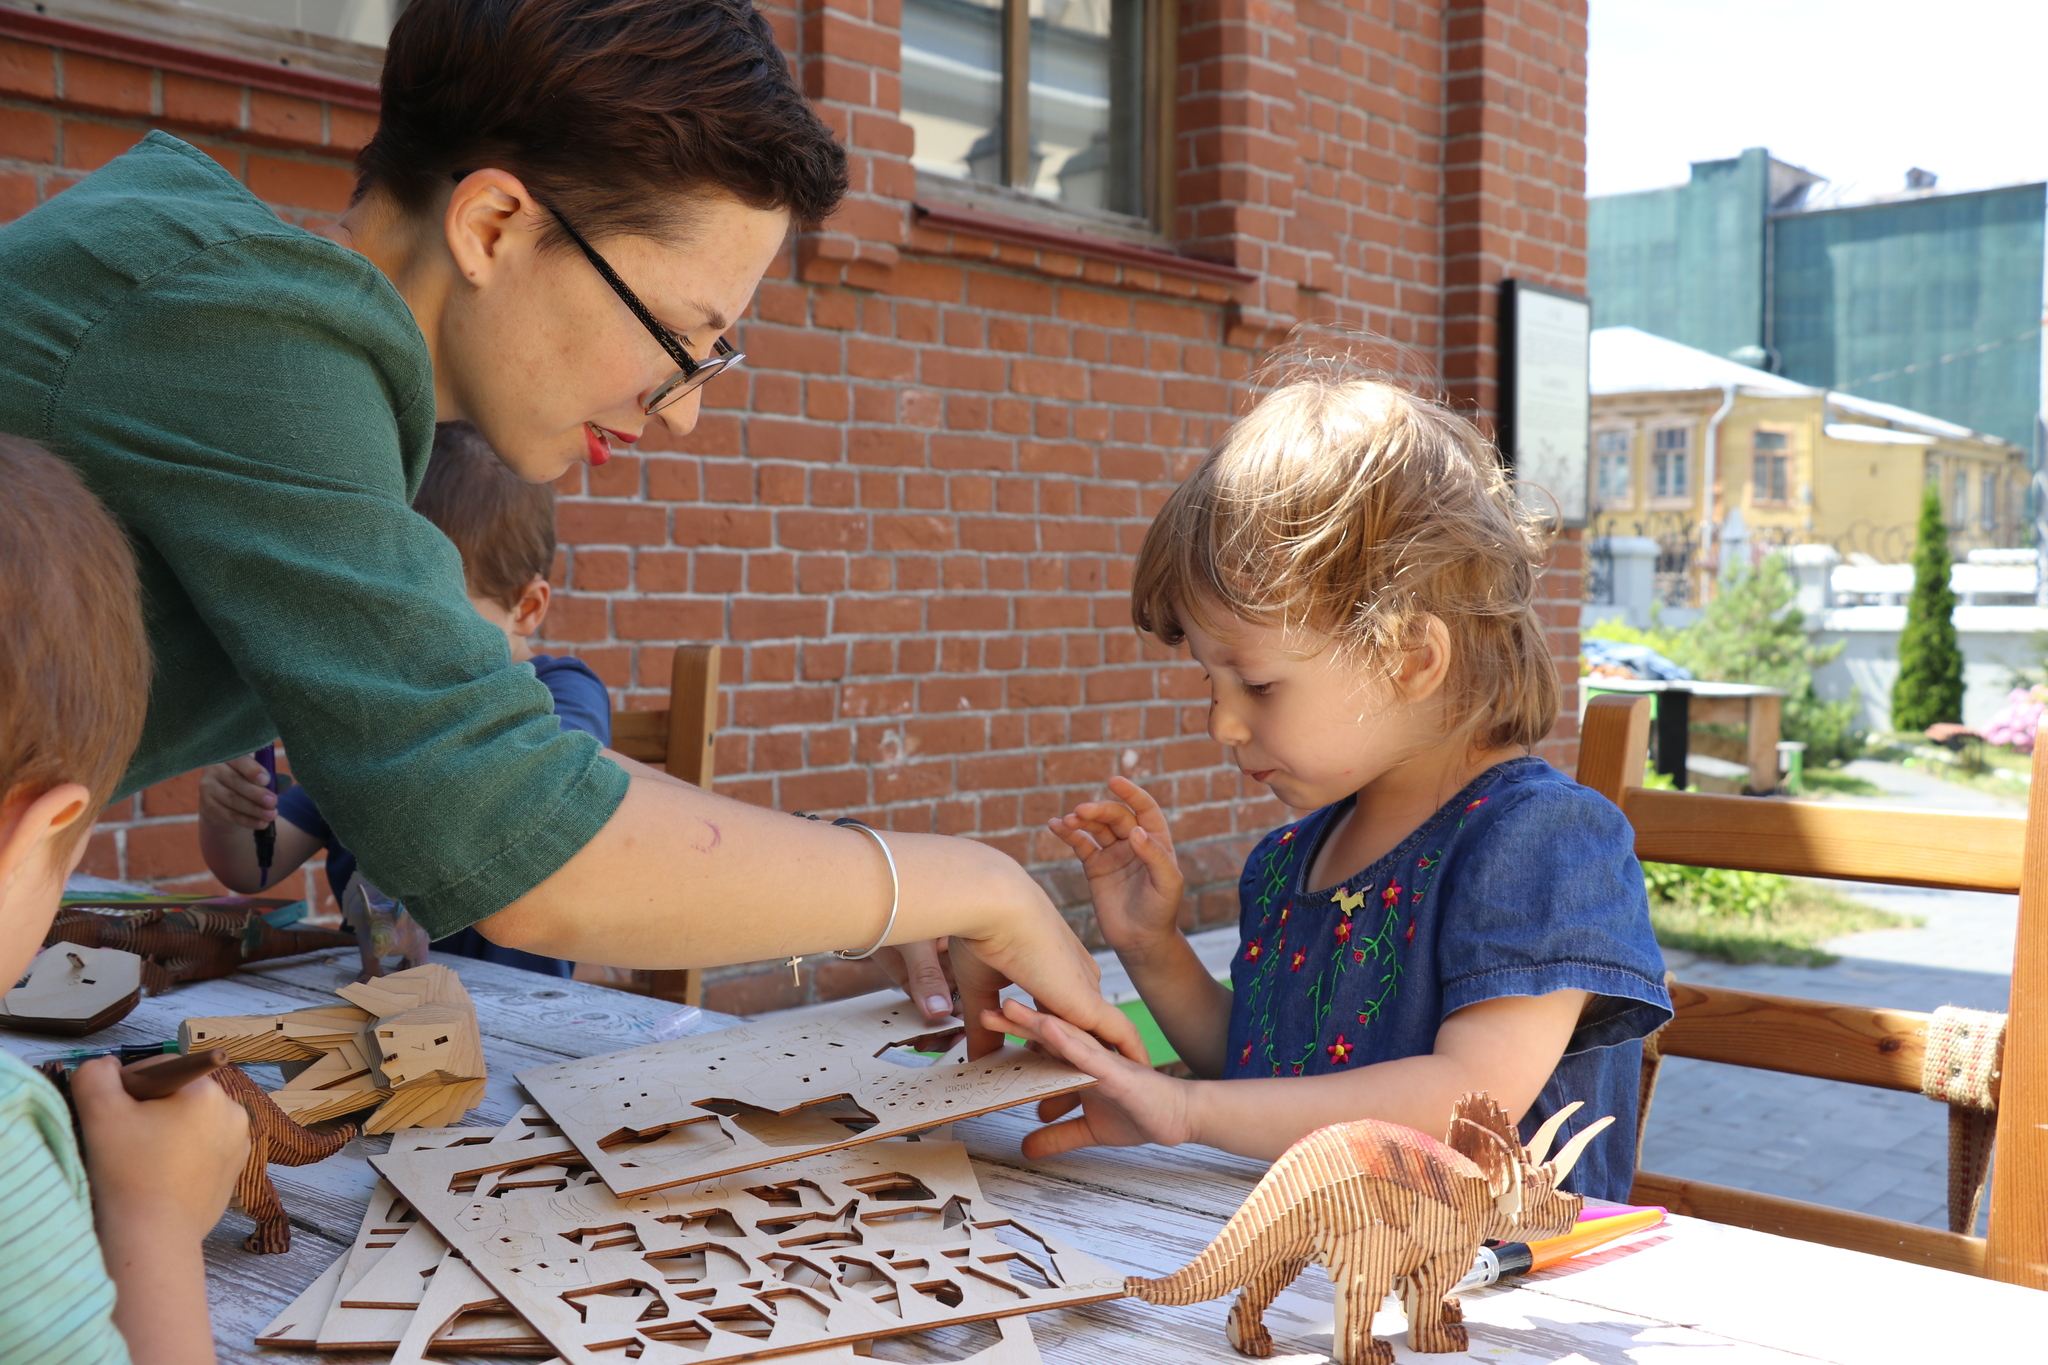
x: 1693, y: 1291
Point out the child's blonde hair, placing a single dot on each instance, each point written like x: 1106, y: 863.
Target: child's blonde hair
x: 1354, y: 509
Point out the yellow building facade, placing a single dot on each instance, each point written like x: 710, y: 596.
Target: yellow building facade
x: 1683, y: 441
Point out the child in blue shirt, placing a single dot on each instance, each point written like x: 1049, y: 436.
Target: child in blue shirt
x: 505, y: 530
x: 1449, y: 913
x: 74, y: 683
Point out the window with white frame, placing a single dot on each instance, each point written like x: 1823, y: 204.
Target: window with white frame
x: 1057, y: 98
x: 1612, y: 484
x: 1987, y: 502
x: 1670, y: 459
x: 1770, y: 458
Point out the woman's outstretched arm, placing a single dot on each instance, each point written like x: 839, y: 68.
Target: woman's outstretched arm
x: 680, y: 877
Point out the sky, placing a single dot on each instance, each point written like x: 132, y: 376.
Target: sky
x: 1853, y: 90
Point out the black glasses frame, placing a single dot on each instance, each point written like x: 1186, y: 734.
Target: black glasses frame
x: 690, y: 375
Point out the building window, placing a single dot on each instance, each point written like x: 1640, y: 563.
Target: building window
x: 1057, y: 98
x: 1611, y: 481
x: 1669, y: 474
x: 1959, y: 509
x: 1987, y: 502
x: 1768, y: 471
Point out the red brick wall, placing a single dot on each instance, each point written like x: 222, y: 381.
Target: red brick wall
x: 911, y: 516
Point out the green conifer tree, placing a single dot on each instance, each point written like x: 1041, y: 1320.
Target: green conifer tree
x: 1930, y: 684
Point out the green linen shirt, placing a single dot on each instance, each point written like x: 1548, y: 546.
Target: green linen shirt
x: 256, y: 404
x: 56, y: 1302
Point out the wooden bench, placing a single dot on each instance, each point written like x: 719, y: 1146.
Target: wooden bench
x: 1848, y: 1042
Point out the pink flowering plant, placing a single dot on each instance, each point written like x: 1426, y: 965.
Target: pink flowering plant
x: 2014, y: 724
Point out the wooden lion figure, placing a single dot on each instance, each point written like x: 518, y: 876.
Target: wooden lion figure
x: 1379, y: 1205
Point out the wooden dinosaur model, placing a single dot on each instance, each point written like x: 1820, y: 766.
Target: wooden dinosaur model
x: 274, y: 1140
x: 405, y: 1044
x: 1377, y: 1204
x: 191, y: 942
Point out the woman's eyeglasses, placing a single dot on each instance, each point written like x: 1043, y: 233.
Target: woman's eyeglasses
x: 690, y: 375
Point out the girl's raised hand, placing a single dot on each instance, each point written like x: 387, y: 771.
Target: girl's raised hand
x: 1130, y: 1103
x: 1127, y: 851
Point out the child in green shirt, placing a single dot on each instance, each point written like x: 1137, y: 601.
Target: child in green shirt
x: 155, y: 1176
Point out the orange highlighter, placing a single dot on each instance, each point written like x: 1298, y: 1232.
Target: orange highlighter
x: 1497, y: 1263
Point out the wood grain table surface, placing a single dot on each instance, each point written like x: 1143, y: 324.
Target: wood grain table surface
x: 1691, y: 1291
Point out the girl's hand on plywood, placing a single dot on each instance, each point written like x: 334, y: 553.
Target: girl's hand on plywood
x: 1126, y: 849
x: 1130, y: 1103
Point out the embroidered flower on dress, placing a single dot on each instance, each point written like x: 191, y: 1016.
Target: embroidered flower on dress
x: 1343, y: 931
x: 1358, y: 954
x: 1300, y: 956
x: 1391, y: 894
x: 1409, y: 937
x: 1340, y: 1051
x: 1253, y: 949
x: 1245, y: 1058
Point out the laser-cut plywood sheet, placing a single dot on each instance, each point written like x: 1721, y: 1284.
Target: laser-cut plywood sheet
x: 877, y: 1240
x: 717, y: 1103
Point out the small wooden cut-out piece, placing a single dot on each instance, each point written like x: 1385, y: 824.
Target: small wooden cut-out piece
x: 73, y: 990
x: 1366, y: 1199
x: 709, y: 1105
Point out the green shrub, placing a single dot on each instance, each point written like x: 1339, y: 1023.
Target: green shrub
x: 1717, y: 892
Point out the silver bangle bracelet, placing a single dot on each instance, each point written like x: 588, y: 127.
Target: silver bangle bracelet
x: 895, y: 890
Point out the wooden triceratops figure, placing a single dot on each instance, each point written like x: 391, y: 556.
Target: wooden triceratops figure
x: 1378, y: 1205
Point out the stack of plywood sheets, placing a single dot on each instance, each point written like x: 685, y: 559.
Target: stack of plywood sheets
x: 798, y: 1217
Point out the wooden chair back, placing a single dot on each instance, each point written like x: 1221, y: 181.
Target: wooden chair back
x: 679, y: 739
x: 1876, y: 1047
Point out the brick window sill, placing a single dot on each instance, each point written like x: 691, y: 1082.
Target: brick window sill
x: 953, y: 221
x: 278, y: 77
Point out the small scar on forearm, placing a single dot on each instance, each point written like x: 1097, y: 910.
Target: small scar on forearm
x: 703, y: 844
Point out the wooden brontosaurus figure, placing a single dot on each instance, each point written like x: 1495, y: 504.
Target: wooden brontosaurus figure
x: 1375, y: 1204
x: 273, y: 1140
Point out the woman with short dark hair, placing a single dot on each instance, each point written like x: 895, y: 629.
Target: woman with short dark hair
x: 565, y: 206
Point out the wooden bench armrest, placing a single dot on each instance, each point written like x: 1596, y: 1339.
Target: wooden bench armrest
x: 1856, y: 1043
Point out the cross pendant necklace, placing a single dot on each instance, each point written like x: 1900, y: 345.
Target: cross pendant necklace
x: 795, y: 977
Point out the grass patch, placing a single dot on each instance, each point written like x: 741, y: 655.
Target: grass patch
x: 1754, y: 916
x: 1838, y: 782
